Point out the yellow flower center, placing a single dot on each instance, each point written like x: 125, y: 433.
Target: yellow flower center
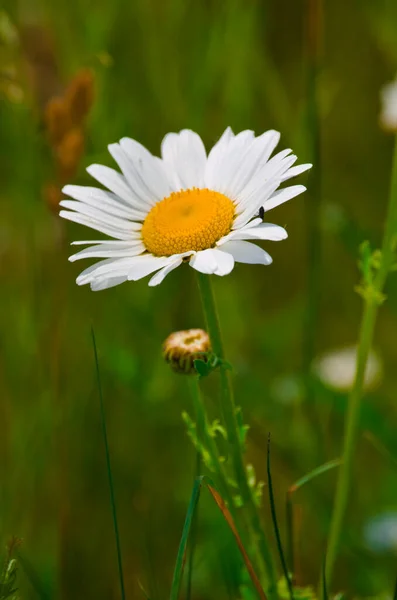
x: 193, y: 219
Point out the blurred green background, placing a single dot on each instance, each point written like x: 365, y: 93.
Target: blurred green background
x: 160, y: 66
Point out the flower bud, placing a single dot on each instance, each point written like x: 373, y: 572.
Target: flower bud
x: 182, y: 348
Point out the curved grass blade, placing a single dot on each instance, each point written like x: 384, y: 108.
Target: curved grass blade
x: 109, y: 470
x: 381, y: 448
x: 229, y: 520
x: 289, y: 505
x: 275, y: 524
x: 315, y: 473
x: 180, y: 561
x: 34, y: 578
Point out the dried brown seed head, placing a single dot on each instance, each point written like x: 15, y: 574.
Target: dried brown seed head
x: 182, y: 348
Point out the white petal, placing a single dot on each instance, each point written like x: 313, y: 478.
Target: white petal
x: 160, y: 275
x: 103, y: 284
x: 109, y: 251
x: 295, y: 171
x: 212, y: 261
x: 103, y: 200
x: 117, y: 243
x: 95, y: 224
x: 216, y: 154
x: 225, y: 263
x: 256, y: 155
x: 270, y: 172
x: 219, y: 174
x: 283, y: 195
x: 184, y: 153
x: 110, y: 267
x: 149, y: 172
x: 112, y: 180
x: 245, y: 252
x: 204, y: 261
x: 253, y: 203
x: 264, y: 231
x: 144, y: 265
x: 99, y: 215
x: 139, y: 192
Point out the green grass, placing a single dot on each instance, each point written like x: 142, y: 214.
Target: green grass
x: 161, y: 66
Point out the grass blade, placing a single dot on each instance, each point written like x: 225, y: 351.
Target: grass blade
x: 180, y: 561
x: 193, y: 536
x: 229, y: 520
x: 109, y: 470
x: 275, y: 524
x: 315, y: 473
x: 289, y: 504
x: 34, y: 578
x: 324, y: 579
x: 289, y: 514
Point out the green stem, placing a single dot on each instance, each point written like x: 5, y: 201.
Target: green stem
x: 209, y: 442
x: 364, y: 347
x: 228, y: 408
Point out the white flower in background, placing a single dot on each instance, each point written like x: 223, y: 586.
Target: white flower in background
x: 388, y: 115
x: 184, y: 207
x: 380, y: 533
x: 337, y: 369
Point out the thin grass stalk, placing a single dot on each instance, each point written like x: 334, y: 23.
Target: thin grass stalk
x: 289, y: 518
x: 371, y: 304
x: 275, y: 524
x: 109, y: 471
x: 289, y: 507
x: 258, y: 539
x: 201, y: 425
x: 324, y: 582
x: 34, y: 579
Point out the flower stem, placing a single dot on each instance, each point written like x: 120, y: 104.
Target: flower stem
x: 365, y: 341
x: 228, y: 408
x: 209, y: 442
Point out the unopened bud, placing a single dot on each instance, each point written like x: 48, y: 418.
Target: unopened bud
x: 182, y: 348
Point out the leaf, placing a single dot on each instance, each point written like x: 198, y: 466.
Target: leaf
x: 109, y: 470
x: 202, y: 367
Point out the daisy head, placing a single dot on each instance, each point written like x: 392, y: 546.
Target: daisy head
x: 186, y: 206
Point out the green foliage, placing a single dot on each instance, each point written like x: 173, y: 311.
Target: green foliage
x: 369, y: 266
x: 8, y: 574
x: 158, y: 67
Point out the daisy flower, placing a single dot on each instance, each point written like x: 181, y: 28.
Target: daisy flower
x: 183, y: 207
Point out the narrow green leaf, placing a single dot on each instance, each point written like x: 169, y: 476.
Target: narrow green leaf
x: 275, y: 524
x: 180, y: 559
x: 324, y: 587
x: 34, y: 578
x: 109, y: 470
x: 315, y: 473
